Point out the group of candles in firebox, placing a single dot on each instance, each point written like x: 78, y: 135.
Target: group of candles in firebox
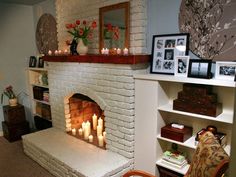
x: 85, y: 131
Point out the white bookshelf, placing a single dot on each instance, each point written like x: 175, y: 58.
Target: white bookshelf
x: 154, y: 95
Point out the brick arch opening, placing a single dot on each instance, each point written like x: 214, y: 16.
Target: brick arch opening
x: 85, y: 119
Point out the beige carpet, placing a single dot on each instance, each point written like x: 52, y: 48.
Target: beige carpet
x: 14, y: 163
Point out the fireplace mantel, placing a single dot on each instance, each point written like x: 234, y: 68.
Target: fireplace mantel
x: 97, y: 58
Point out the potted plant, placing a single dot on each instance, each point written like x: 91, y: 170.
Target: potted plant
x: 8, y: 91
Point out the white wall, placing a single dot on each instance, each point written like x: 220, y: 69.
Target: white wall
x: 16, y: 44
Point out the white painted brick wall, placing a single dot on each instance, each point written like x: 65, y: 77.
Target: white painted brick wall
x: 70, y: 10
x: 109, y: 85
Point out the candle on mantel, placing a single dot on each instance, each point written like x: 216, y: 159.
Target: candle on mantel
x: 49, y: 52
x: 106, y: 51
x: 125, y: 51
x: 104, y: 136
x: 56, y: 52
x: 103, y: 51
x: 73, y: 131
x: 95, y: 121
x: 59, y: 52
x: 90, y: 138
x: 100, y: 141
x: 100, y: 122
x: 118, y: 51
x: 65, y: 51
x: 99, y: 130
x: 80, y: 132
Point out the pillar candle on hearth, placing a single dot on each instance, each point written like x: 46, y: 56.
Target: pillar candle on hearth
x: 86, y: 133
x: 95, y: 122
x: 104, y: 136
x: 99, y: 130
x: 100, y: 122
x: 80, y: 132
x: 90, y: 138
x: 100, y: 141
x: 83, y: 126
x: 88, y: 126
x: 73, y: 131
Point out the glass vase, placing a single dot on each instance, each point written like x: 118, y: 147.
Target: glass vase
x: 13, y: 102
x: 82, y: 48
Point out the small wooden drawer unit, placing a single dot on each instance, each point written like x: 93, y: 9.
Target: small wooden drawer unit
x: 14, y: 114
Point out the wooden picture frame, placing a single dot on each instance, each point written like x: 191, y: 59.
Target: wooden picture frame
x: 32, y: 61
x: 181, y: 65
x: 200, y: 68
x: 225, y: 70
x: 164, y: 50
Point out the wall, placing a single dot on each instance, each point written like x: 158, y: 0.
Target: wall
x: 71, y: 10
x: 16, y: 44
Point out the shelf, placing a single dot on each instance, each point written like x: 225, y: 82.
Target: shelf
x: 225, y: 117
x: 41, y: 101
x: 171, y: 78
x: 37, y: 69
x: 39, y: 85
x: 182, y: 171
x: 42, y: 117
x: 189, y: 143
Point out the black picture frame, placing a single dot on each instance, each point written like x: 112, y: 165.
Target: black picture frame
x: 165, y: 48
x: 32, y: 61
x: 40, y: 62
x: 200, y: 68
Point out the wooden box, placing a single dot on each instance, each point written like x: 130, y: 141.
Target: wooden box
x: 13, y: 132
x: 14, y: 114
x: 176, y: 134
x: 164, y: 172
x: 197, y: 89
x: 213, y: 109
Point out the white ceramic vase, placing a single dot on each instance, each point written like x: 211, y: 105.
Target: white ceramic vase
x: 13, y: 102
x: 81, y: 48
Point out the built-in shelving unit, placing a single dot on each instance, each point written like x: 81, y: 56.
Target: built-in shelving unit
x: 38, y: 88
x: 154, y: 95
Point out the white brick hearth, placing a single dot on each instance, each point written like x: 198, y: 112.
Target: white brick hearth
x: 111, y: 86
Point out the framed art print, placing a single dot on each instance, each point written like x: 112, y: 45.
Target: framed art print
x: 164, y: 50
x: 181, y: 65
x: 200, y: 68
x: 225, y: 70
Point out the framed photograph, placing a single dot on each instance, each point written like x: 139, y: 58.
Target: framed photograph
x: 199, y: 68
x: 164, y: 50
x: 225, y: 70
x: 32, y: 61
x: 40, y: 62
x: 181, y: 65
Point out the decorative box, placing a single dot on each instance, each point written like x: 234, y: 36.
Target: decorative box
x: 176, y: 134
x: 197, y: 89
x: 13, y: 132
x: 14, y: 114
x: 213, y: 109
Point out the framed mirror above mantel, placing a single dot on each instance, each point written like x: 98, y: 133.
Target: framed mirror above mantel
x: 114, y: 26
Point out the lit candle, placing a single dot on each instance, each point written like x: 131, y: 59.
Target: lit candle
x: 90, y: 138
x: 100, y: 141
x: 86, y: 133
x: 88, y: 126
x: 59, y: 52
x: 56, y: 52
x: 95, y: 121
x: 80, y: 132
x: 103, y: 51
x: 65, y: 51
x: 106, y: 51
x: 125, y: 51
x: 49, y: 52
x: 104, y: 136
x: 83, y: 126
x: 99, y: 130
x: 73, y: 131
x: 100, y: 122
x: 118, y: 51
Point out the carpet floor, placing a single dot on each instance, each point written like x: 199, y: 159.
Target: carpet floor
x: 14, y: 163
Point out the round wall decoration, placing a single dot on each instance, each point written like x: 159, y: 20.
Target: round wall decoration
x: 46, y: 34
x: 212, y: 27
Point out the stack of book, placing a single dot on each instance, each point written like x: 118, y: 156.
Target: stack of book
x: 175, y: 159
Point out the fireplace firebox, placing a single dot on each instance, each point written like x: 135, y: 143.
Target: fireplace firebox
x: 85, y: 120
